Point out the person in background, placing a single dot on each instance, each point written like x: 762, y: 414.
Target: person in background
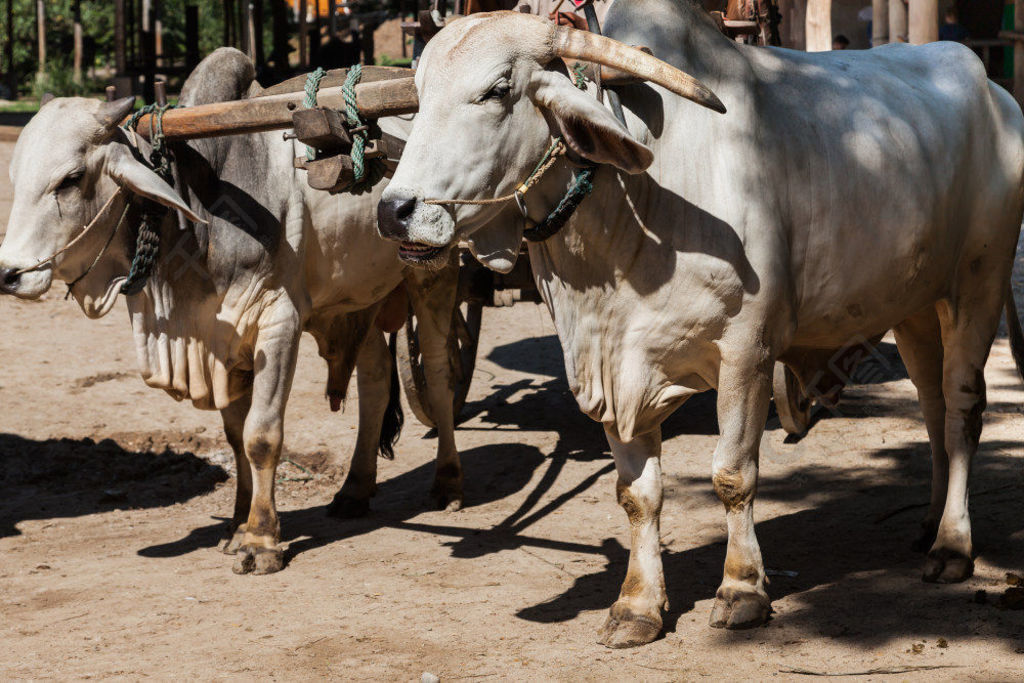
x: 951, y: 29
x: 840, y: 42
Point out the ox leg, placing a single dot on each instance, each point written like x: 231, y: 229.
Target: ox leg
x: 744, y: 392
x: 967, y: 333
x: 433, y: 298
x: 263, y: 434
x: 635, y: 618
x: 919, y: 340
x: 234, y: 424
x: 373, y: 371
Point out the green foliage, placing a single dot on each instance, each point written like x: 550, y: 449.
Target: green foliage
x: 98, y: 31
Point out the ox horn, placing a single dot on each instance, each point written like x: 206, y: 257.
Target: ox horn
x: 590, y: 47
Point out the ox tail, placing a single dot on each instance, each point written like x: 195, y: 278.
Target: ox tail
x: 391, y: 428
x: 1014, y: 331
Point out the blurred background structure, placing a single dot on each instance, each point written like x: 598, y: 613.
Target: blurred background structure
x: 70, y: 47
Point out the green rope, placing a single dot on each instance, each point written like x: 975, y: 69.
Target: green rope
x: 364, y: 176
x: 147, y: 239
x: 580, y: 187
x: 312, y: 87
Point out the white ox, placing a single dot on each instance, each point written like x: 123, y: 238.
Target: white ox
x: 219, y: 320
x: 841, y: 195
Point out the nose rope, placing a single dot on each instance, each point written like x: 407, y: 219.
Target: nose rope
x: 81, y: 236
x: 555, y: 150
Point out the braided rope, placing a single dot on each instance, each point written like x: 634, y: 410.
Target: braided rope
x: 311, y: 88
x: 581, y: 186
x: 364, y: 175
x: 147, y: 241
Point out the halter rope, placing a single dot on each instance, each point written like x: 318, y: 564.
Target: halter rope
x: 580, y: 186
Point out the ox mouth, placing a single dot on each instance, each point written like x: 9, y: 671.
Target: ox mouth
x: 416, y: 252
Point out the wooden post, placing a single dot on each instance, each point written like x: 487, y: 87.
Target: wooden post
x: 1018, y: 52
x: 12, y: 78
x: 121, y: 80
x: 923, y: 21
x: 303, y: 35
x: 281, y: 48
x: 879, y: 22
x: 158, y: 31
x: 147, y: 49
x: 41, y: 31
x: 76, y: 11
x: 250, y: 31
x: 819, y: 25
x: 191, y: 36
x: 897, y: 21
x: 229, y: 13
x: 332, y: 24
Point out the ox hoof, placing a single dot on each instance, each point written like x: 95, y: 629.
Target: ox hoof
x: 627, y: 628
x: 447, y: 498
x: 234, y: 542
x: 947, y: 566
x: 345, y: 506
x: 256, y: 560
x: 739, y: 609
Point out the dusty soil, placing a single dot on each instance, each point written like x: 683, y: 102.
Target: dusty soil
x: 114, y: 498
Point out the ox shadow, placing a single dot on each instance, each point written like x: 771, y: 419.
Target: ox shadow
x: 848, y: 558
x: 58, y: 478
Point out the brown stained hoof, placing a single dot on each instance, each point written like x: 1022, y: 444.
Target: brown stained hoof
x: 446, y: 496
x: 256, y: 560
x: 736, y: 609
x: 626, y: 628
x: 234, y: 542
x: 947, y: 566
x: 345, y: 506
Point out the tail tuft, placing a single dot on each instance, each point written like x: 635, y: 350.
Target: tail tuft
x: 391, y: 428
x: 1014, y: 331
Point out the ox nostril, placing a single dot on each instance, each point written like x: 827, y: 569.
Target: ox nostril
x: 392, y: 215
x: 9, y: 278
x: 404, y: 208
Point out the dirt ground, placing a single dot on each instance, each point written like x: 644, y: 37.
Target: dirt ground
x: 113, y: 498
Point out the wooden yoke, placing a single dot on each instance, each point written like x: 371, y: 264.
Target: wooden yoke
x: 383, y: 91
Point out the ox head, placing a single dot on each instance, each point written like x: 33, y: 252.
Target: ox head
x: 493, y: 92
x: 69, y: 160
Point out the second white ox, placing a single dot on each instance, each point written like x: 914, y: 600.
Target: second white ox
x: 842, y: 195
x: 219, y: 319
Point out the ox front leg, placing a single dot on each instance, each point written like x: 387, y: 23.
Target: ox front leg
x: 635, y: 618
x: 433, y: 298
x: 234, y: 427
x: 263, y: 434
x: 743, y: 399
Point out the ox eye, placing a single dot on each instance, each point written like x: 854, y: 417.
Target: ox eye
x: 498, y: 91
x: 70, y: 180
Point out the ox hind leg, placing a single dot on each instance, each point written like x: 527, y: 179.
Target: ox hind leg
x: 262, y: 436
x: 234, y: 424
x: 635, y: 618
x: 968, y: 325
x: 433, y: 298
x: 919, y: 339
x: 374, y: 368
x: 744, y: 393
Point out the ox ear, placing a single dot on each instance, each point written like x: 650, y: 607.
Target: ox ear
x: 590, y: 130
x: 132, y: 174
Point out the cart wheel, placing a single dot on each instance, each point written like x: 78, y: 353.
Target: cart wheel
x: 792, y: 405
x: 462, y: 343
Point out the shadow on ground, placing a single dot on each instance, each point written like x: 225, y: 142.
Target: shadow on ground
x: 72, y: 477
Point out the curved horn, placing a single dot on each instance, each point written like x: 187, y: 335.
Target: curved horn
x: 591, y: 47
